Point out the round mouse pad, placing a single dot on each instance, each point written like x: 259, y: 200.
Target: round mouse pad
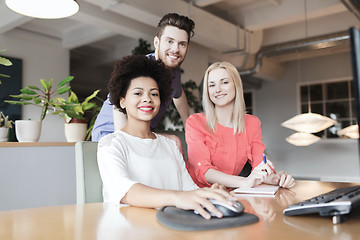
x: 180, y: 219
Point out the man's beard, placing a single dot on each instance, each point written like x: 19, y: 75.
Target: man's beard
x: 165, y: 59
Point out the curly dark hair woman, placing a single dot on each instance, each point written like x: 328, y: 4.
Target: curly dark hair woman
x: 134, y: 66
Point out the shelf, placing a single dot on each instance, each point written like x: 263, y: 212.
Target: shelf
x: 35, y: 144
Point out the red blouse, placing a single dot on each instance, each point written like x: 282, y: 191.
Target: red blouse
x: 221, y: 150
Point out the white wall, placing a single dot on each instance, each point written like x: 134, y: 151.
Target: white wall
x: 277, y: 101
x: 195, y: 64
x: 42, y: 57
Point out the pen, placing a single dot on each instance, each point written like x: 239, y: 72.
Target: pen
x: 264, y: 160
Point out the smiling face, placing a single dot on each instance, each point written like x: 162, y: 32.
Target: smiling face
x: 221, y: 87
x: 142, y: 99
x: 172, y: 46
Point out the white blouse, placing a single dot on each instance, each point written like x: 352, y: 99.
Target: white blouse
x: 124, y: 160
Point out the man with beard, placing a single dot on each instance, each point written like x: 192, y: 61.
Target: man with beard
x: 171, y: 44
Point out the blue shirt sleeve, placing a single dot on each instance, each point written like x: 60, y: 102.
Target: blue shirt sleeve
x: 104, y: 123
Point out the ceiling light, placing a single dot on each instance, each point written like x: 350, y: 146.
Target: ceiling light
x: 302, y: 139
x: 308, y: 123
x: 350, y: 131
x: 48, y: 9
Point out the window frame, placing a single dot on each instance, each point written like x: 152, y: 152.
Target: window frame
x: 352, y: 115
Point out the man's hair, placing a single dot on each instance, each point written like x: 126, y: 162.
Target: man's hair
x: 134, y: 66
x: 238, y: 115
x: 176, y: 20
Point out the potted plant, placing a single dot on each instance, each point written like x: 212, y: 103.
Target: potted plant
x: 75, y: 114
x: 5, y: 124
x: 46, y: 98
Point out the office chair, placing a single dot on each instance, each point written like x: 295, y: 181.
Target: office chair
x: 88, y: 180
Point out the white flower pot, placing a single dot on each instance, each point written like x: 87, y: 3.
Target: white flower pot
x: 28, y: 130
x: 3, y: 134
x: 75, y: 132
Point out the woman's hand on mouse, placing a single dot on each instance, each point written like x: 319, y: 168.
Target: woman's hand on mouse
x: 198, y: 200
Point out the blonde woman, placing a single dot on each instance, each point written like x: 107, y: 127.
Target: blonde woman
x: 223, y: 138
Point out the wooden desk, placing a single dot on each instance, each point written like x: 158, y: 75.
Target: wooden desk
x: 109, y: 221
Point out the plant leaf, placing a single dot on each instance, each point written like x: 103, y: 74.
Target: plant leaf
x: 88, y: 106
x: 17, y: 102
x: 44, y: 83
x: 59, y: 99
x: 63, y: 89
x: 5, y: 61
x: 75, y: 115
x: 91, y: 96
x: 28, y: 98
x: 50, y: 83
x: 3, y: 75
x: 78, y: 109
x: 37, y: 101
x: 33, y: 87
x: 73, y: 98
x: 69, y: 106
x: 44, y: 111
x: 67, y: 118
x: 24, y: 97
x: 65, y: 81
x: 28, y: 91
x: 16, y: 96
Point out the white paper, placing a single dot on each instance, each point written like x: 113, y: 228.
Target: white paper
x: 262, y: 189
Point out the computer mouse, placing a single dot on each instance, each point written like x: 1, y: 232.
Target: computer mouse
x: 228, y: 211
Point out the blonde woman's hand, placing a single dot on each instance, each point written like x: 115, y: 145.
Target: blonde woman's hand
x: 282, y: 179
x: 285, y: 180
x: 256, y: 177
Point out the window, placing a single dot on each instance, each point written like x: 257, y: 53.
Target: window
x: 331, y: 99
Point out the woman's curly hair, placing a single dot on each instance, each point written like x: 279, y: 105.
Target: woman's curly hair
x: 134, y: 66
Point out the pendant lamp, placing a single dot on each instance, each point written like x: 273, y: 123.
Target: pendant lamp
x: 350, y: 131
x: 47, y: 9
x: 302, y: 139
x: 306, y: 123
x: 309, y: 122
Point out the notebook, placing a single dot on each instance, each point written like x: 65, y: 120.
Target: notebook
x: 262, y: 189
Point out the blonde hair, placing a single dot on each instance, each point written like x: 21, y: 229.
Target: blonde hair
x: 238, y: 116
